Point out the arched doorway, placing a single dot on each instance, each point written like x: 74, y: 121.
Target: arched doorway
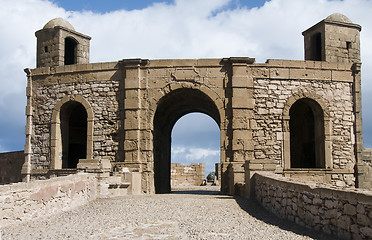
x: 73, y: 118
x: 196, y: 142
x: 171, y: 108
x: 70, y: 51
x: 307, y: 139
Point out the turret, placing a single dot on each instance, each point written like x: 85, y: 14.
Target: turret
x: 59, y: 44
x: 334, y: 39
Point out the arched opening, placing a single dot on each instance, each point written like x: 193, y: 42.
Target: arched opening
x: 316, y: 44
x: 70, y: 51
x: 306, y: 126
x: 195, y: 150
x: 73, y: 118
x: 171, y: 108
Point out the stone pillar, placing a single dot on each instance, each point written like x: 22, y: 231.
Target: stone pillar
x: 358, y: 127
x: 26, y: 168
x: 137, y: 136
x: 242, y: 103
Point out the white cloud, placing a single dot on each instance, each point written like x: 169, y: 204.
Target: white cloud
x: 178, y: 150
x: 188, y: 155
x: 192, y: 155
x: 183, y: 29
x: 196, y: 154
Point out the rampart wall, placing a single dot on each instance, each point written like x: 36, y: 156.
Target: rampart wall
x: 346, y: 213
x: 187, y: 175
x: 365, y: 169
x: 10, y: 167
x: 21, y: 202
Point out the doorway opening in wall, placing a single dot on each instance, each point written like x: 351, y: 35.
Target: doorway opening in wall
x: 70, y: 51
x: 307, y: 141
x: 74, y: 133
x: 195, y: 151
x: 316, y: 43
x: 172, y: 107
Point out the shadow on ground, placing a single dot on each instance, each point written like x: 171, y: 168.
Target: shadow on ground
x: 196, y: 192
x: 253, y: 208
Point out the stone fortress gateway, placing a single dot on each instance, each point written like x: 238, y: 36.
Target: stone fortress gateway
x: 295, y: 118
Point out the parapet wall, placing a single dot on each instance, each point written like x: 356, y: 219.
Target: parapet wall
x: 365, y: 169
x: 346, y: 213
x: 21, y: 202
x: 187, y: 175
x: 10, y: 167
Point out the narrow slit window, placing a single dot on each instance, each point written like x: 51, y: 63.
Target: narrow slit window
x: 348, y: 45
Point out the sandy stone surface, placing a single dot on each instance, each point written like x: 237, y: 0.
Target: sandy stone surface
x: 184, y: 214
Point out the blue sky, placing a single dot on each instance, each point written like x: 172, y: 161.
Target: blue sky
x: 170, y: 29
x: 113, y: 5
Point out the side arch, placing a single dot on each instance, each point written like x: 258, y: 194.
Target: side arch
x: 56, y: 139
x: 312, y: 99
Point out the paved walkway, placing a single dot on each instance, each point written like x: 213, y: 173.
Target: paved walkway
x: 181, y: 215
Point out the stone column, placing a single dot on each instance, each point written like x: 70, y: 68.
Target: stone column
x: 136, y: 135
x: 26, y: 168
x: 242, y: 103
x: 361, y: 169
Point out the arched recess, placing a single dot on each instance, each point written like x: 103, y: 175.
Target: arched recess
x: 70, y: 51
x: 62, y: 110
x: 306, y: 126
x: 170, y: 108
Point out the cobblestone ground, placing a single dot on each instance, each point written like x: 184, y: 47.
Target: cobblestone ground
x: 190, y: 214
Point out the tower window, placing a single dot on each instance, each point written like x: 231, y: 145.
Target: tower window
x: 316, y: 45
x: 70, y: 51
x: 348, y: 45
x: 46, y: 49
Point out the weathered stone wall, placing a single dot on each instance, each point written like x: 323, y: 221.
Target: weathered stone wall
x: 187, y: 175
x: 21, y: 202
x: 11, y: 166
x: 346, y: 213
x: 124, y: 97
x: 271, y: 95
x: 331, y: 85
x: 100, y: 87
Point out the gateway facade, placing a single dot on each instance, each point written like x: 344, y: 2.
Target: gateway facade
x: 295, y: 118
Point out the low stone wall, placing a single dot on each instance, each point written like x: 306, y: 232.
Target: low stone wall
x: 187, y: 175
x: 365, y: 169
x: 346, y: 213
x: 21, y: 202
x: 11, y: 166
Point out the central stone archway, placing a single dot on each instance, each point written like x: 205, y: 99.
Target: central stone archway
x: 170, y: 108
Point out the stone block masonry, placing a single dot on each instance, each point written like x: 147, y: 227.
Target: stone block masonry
x: 295, y: 118
x: 345, y: 213
x: 187, y: 175
x: 21, y: 202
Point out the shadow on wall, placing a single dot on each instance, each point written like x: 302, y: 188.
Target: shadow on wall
x: 11, y: 166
